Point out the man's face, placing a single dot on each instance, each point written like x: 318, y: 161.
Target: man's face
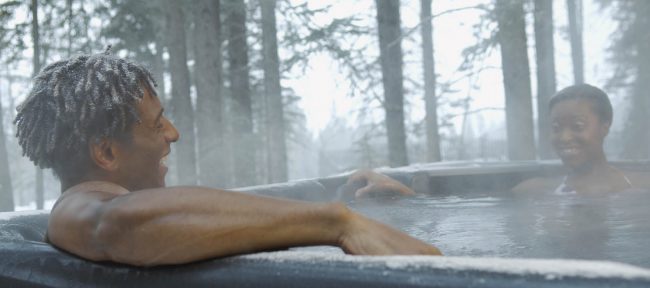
x: 577, y: 132
x: 142, y: 162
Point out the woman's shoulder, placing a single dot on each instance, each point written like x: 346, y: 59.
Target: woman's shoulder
x: 638, y: 179
x: 537, y: 184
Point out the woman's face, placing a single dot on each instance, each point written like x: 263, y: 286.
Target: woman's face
x: 577, y: 132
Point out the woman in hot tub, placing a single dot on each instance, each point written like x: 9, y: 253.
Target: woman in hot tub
x: 581, y: 116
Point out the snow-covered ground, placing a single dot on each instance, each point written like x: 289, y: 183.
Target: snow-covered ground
x: 32, y: 206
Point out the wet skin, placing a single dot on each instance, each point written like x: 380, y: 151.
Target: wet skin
x: 148, y: 148
x: 123, y: 213
x: 577, y: 135
x: 373, y: 183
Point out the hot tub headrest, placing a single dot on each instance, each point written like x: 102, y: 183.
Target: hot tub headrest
x: 306, y: 190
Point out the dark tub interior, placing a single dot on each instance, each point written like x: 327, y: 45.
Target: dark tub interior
x: 465, y: 209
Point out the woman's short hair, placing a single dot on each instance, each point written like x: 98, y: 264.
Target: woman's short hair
x: 601, y: 104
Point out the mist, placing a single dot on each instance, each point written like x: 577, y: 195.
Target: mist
x: 272, y: 91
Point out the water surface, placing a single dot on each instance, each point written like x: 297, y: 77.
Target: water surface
x: 607, y: 227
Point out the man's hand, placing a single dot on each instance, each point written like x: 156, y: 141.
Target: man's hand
x: 364, y: 236
x: 373, y: 183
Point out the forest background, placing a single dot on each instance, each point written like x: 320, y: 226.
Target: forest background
x: 267, y: 91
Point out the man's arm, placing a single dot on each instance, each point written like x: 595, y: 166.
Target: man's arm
x: 184, y: 224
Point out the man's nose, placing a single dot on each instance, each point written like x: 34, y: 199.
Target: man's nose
x: 171, y: 134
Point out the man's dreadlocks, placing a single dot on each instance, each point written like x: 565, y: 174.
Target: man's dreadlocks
x: 74, y: 101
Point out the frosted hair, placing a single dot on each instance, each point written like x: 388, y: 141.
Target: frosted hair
x: 77, y: 100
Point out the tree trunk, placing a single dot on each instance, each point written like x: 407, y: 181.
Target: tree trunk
x: 273, y: 93
x: 546, y: 86
x: 9, y: 144
x: 68, y: 6
x: 208, y: 79
x: 574, y: 9
x: 6, y: 189
x: 158, y: 70
x: 431, y: 118
x: 36, y: 61
x: 637, y: 140
x: 181, y: 104
x: 516, y: 79
x: 388, y: 19
x: 242, y: 113
x: 158, y: 62
x: 637, y: 135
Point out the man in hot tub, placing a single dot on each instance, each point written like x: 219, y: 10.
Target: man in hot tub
x: 97, y: 122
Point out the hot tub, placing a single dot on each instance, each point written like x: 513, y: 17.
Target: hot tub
x: 465, y: 209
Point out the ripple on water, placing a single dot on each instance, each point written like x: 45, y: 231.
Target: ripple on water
x: 558, y: 226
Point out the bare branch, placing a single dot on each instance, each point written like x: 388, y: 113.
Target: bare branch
x: 412, y: 30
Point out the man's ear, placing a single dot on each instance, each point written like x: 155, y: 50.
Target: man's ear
x: 103, y: 153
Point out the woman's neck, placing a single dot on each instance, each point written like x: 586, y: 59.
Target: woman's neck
x: 593, y: 168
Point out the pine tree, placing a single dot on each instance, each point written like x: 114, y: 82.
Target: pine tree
x: 390, y: 47
x: 181, y: 105
x: 6, y: 39
x: 630, y: 51
x: 574, y: 11
x: 516, y: 79
x: 210, y: 122
x: 431, y: 118
x: 277, y: 152
x: 544, y: 55
x: 240, y: 91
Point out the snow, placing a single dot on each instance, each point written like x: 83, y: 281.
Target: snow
x: 549, y: 268
x: 9, y: 215
x: 49, y: 203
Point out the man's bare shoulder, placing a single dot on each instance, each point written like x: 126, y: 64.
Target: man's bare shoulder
x: 84, y: 197
x: 537, y: 184
x: 74, y: 216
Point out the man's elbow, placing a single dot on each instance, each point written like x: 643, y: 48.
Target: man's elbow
x: 79, y: 232
x: 99, y: 231
x: 112, y: 238
x: 126, y: 236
